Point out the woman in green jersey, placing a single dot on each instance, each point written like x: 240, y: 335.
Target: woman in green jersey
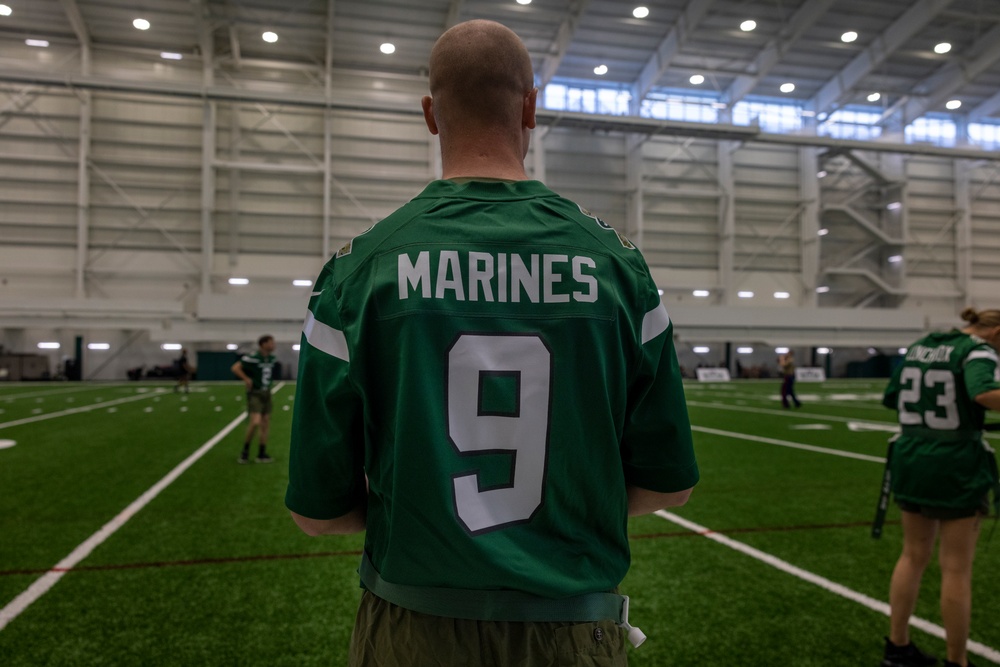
x: 941, y: 471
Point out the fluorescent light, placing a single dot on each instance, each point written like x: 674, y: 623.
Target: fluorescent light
x: 781, y: 350
x: 170, y: 346
x: 270, y: 37
x: 296, y: 347
x: 745, y: 294
x: 943, y: 47
x: 823, y: 350
x: 822, y: 289
x: 823, y: 232
x: 903, y: 350
x: 239, y: 281
x: 141, y: 24
x: 782, y: 295
x: 232, y: 346
x: 748, y: 25
x: 875, y: 97
x: 872, y: 351
x: 302, y: 283
x: 849, y: 36
x: 387, y: 48
x: 787, y: 87
x: 697, y: 79
x: 895, y: 259
x: 601, y: 70
x: 524, y: 2
x: 701, y: 292
x: 894, y: 206
x: 953, y: 104
x: 744, y: 350
x: 701, y: 349
x: 48, y: 346
x: 42, y: 43
x: 98, y: 346
x: 5, y: 10
x: 167, y: 55
x: 640, y: 12
x: 821, y: 173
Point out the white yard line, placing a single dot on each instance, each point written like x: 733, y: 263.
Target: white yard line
x: 974, y: 647
x: 42, y: 585
x: 786, y: 443
x: 13, y: 396
x: 82, y: 408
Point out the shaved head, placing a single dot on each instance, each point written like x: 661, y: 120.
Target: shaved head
x: 480, y: 72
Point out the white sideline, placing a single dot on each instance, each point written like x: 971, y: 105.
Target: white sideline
x: 975, y: 647
x: 42, y: 585
x: 786, y: 443
x: 82, y: 408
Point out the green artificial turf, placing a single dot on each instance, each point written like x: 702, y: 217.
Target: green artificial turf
x: 213, y: 571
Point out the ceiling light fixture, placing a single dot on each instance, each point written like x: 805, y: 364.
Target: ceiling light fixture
x: 822, y: 289
x: 232, y: 346
x: 781, y: 350
x: 823, y: 232
x: 167, y: 55
x: 701, y: 349
x: 748, y: 25
x: 524, y: 2
x: 140, y: 24
x: 601, y: 70
x: 239, y: 281
x: 953, y: 104
x: 5, y: 10
x: 823, y: 350
x: 48, y: 346
x: 171, y: 346
x: 302, y: 283
x: 640, y: 12
x: 701, y: 293
x: 387, y: 48
x: 270, y: 37
x: 943, y: 47
x: 745, y: 295
x: 782, y: 295
x: 41, y: 43
x: 98, y: 346
x: 895, y: 259
x: 697, y: 79
x: 849, y: 36
x: 787, y: 87
x: 875, y: 97
x: 744, y: 350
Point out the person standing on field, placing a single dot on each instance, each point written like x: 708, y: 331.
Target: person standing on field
x: 488, y: 387
x: 257, y: 371
x: 786, y: 363
x: 941, y: 471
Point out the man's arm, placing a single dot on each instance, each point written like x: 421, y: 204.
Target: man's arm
x: 237, y: 370
x: 644, y: 501
x: 352, y: 522
x: 989, y: 399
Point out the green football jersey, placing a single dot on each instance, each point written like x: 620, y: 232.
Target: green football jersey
x: 260, y: 369
x: 498, y: 363
x: 940, y: 458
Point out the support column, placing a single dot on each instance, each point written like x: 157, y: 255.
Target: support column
x: 727, y: 221
x: 207, y: 195
x: 235, y: 138
x: 809, y: 225
x: 963, y: 229
x: 634, y: 206
x: 83, y: 194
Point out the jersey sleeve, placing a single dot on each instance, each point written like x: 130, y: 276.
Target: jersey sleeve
x: 982, y: 367
x: 326, y: 462
x: 657, y: 448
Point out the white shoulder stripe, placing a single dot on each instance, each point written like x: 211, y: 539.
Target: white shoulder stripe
x: 654, y: 323
x: 983, y: 354
x: 325, y: 338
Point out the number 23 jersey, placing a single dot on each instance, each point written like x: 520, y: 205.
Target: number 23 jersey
x: 497, y: 361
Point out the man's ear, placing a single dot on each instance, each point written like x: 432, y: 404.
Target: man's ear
x: 528, y: 110
x: 427, y: 103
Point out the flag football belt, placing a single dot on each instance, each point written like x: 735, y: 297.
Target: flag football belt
x: 495, y: 605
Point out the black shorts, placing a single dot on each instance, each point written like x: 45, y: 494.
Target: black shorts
x: 945, y: 513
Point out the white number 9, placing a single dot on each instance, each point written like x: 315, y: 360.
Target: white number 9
x: 523, y: 431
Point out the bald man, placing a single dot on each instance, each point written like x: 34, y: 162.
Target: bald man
x: 488, y: 387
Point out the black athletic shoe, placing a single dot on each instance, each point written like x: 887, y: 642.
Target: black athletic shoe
x: 243, y: 459
x: 264, y: 458
x: 906, y: 656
